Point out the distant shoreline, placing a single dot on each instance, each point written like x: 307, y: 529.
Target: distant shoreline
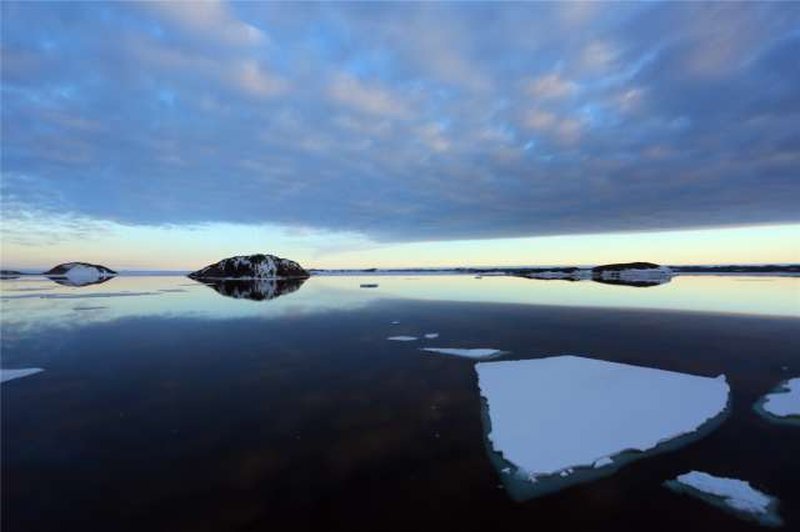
x: 770, y: 270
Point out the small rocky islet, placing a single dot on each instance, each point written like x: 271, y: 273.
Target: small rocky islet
x: 79, y: 273
x: 258, y: 266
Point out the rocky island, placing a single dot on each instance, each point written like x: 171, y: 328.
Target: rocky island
x: 244, y: 267
x: 632, y: 274
x: 79, y: 273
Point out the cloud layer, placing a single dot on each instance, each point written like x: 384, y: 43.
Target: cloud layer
x: 404, y: 121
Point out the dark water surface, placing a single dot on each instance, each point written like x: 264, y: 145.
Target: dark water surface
x: 168, y: 405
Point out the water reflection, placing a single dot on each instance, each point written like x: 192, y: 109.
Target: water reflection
x: 66, y: 281
x: 254, y: 289
x: 28, y: 303
x: 638, y: 284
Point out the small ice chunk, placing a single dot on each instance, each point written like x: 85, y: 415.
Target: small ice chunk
x: 431, y: 336
x: 395, y: 322
x: 784, y: 402
x: 11, y: 374
x: 731, y: 494
x: 402, y: 338
x: 478, y: 353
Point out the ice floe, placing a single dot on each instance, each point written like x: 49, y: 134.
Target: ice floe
x: 11, y: 374
x: 402, y: 338
x: 566, y: 419
x: 478, y: 353
x: 783, y: 403
x: 731, y: 494
x: 431, y: 336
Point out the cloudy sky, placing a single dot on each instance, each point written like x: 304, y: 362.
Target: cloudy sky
x: 161, y: 135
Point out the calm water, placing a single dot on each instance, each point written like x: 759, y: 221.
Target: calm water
x: 169, y: 405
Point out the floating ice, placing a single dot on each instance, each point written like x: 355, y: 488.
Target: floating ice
x: 431, y: 336
x: 478, y: 353
x: 605, y: 461
x: 11, y: 374
x: 402, y: 338
x: 783, y: 404
x: 729, y: 494
x: 547, y: 416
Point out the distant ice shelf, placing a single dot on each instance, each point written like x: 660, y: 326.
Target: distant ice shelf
x: 783, y: 403
x: 478, y: 353
x: 730, y: 494
x: 557, y: 421
x: 11, y: 374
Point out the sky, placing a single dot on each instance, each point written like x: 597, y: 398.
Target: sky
x: 170, y: 135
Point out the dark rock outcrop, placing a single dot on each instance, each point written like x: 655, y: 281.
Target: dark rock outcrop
x: 252, y: 267
x: 625, y: 266
x: 641, y: 274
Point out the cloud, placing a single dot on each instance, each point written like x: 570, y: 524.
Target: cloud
x: 598, y: 56
x: 550, y: 86
x: 209, y: 19
x: 409, y: 122
x: 253, y: 78
x: 566, y: 130
x: 368, y: 98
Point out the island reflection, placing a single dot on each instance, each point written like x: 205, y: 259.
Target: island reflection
x: 639, y: 284
x: 66, y: 281
x: 253, y: 289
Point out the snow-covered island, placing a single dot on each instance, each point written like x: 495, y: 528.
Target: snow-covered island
x: 557, y: 421
x: 565, y: 274
x: 259, y: 266
x: 640, y: 274
x: 79, y: 273
x: 730, y: 494
x: 782, y: 404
